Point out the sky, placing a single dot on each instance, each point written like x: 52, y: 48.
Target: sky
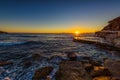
x: 56, y: 16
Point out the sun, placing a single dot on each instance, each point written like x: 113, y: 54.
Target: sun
x: 77, y: 32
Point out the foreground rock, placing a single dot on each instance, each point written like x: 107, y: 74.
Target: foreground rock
x: 56, y: 59
x: 28, y: 61
x: 42, y: 73
x: 88, y: 69
x: 104, y: 78
x: 5, y: 63
x: 72, y: 56
x: 100, y: 71
x: 114, y: 67
x: 27, y: 64
x: 95, y: 69
x: 72, y: 70
x: 36, y: 57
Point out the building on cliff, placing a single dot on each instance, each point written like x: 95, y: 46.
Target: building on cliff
x: 111, y: 31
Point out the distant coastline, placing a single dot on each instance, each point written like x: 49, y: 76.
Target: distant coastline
x: 3, y: 32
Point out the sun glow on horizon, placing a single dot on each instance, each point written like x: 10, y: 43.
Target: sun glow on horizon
x: 76, y: 30
x: 77, y: 33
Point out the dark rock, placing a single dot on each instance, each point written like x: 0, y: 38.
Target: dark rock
x: 56, y: 59
x: 7, y: 78
x: 48, y: 78
x: 105, y: 78
x: 86, y: 58
x: 88, y: 67
x: 71, y: 70
x: 91, y: 61
x: 27, y: 64
x: 84, y: 61
x: 114, y: 67
x: 100, y: 71
x: 32, y: 58
x: 72, y: 56
x: 36, y: 57
x: 34, y: 42
x: 95, y: 63
x: 42, y: 73
x: 5, y: 63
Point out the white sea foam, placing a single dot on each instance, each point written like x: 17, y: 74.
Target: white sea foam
x: 10, y: 43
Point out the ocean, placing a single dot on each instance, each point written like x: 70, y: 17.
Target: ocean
x: 20, y: 49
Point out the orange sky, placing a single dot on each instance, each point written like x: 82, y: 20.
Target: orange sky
x: 71, y: 29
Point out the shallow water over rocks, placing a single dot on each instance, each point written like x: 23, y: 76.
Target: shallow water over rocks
x: 39, y: 51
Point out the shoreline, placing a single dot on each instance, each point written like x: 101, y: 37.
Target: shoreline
x: 98, y: 44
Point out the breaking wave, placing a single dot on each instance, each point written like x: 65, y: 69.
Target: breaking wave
x: 20, y: 43
x: 10, y: 43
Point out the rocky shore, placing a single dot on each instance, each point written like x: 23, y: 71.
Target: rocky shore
x: 82, y: 68
x: 56, y: 60
x: 105, y: 46
x: 72, y: 67
x: 111, y: 32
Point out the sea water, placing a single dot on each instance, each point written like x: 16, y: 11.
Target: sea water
x: 19, y: 48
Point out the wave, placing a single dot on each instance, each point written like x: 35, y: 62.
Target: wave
x: 10, y: 43
x: 21, y: 43
x: 27, y: 36
x: 34, y: 42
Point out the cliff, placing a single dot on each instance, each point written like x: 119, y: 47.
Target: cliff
x: 111, y: 32
x: 114, y: 25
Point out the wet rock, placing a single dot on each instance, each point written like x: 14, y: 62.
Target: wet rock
x: 56, y: 59
x: 5, y: 63
x: 1, y: 70
x: 84, y: 61
x: 72, y: 56
x: 48, y: 78
x: 88, y: 67
x: 95, y: 63
x: 104, y: 78
x: 114, y: 67
x: 34, y: 42
x: 27, y: 64
x: 42, y: 73
x: 86, y: 58
x: 36, y: 56
x: 71, y: 70
x: 7, y: 78
x: 100, y: 71
x: 27, y: 61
